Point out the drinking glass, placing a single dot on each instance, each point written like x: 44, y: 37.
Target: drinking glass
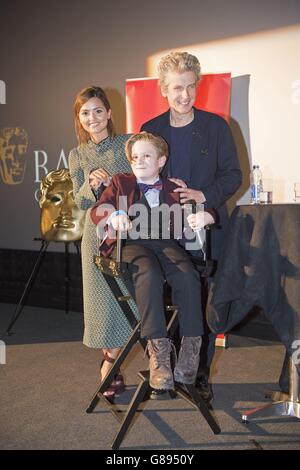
x: 266, y: 193
x: 297, y: 192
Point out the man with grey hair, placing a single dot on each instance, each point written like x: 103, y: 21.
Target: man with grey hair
x: 202, y: 155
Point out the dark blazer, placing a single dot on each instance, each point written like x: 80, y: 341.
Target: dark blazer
x: 124, y: 184
x: 215, y: 167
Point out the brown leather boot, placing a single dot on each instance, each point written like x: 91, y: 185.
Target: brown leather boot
x: 161, y: 377
x: 188, y: 360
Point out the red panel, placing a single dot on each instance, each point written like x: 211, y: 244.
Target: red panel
x: 144, y: 100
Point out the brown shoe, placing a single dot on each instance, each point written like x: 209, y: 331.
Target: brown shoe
x: 161, y: 377
x: 188, y: 360
x: 118, y: 384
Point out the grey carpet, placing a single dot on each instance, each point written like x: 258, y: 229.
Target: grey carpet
x: 49, y: 378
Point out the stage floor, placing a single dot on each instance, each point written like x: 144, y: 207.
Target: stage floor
x: 49, y: 378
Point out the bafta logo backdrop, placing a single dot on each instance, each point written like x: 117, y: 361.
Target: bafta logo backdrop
x: 13, y: 148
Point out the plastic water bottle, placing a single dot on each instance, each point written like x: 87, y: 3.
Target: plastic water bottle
x: 255, y: 184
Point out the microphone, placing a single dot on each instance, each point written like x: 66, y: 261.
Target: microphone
x: 190, y: 207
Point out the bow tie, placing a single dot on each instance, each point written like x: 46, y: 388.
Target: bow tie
x: 144, y: 187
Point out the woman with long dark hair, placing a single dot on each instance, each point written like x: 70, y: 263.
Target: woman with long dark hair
x: 99, y: 155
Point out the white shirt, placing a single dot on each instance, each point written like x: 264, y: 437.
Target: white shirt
x: 152, y: 195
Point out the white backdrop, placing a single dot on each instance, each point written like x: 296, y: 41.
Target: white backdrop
x: 272, y: 61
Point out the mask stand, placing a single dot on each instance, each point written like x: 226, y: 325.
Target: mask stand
x: 33, y: 275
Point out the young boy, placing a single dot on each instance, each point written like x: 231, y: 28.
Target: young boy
x: 154, y: 258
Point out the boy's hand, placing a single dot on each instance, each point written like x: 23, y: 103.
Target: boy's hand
x: 121, y: 222
x: 199, y: 220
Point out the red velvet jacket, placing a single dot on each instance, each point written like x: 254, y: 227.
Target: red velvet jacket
x: 124, y: 184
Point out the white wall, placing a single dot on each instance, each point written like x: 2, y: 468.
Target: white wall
x: 271, y: 59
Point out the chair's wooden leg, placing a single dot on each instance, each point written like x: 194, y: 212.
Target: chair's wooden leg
x: 135, y: 335
x: 132, y: 408
x: 173, y: 322
x: 202, y: 407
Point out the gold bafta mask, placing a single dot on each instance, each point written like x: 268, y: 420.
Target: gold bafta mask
x: 13, y: 147
x: 61, y: 220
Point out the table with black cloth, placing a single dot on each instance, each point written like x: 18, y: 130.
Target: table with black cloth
x: 260, y: 266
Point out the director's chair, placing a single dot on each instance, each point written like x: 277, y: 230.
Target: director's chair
x: 113, y: 269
